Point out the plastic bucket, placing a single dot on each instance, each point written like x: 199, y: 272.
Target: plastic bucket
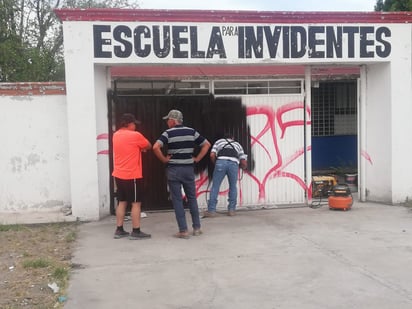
x: 352, y: 181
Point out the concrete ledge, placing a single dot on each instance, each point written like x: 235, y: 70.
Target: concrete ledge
x: 34, y: 217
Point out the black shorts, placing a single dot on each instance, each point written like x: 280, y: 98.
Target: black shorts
x: 129, y: 190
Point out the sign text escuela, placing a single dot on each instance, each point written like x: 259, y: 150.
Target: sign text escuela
x: 258, y: 42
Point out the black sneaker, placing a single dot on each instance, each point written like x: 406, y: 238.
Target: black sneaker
x: 120, y: 234
x: 140, y: 235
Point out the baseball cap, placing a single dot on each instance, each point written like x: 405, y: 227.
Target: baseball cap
x: 174, y: 114
x: 128, y: 118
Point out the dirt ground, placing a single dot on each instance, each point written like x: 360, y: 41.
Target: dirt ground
x: 35, y: 264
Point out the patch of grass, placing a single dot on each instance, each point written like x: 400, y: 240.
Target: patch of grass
x: 36, y: 263
x: 40, y: 255
x: 71, y: 236
x: 61, y: 273
x: 11, y: 227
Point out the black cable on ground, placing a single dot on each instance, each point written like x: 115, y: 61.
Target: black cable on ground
x: 318, y: 203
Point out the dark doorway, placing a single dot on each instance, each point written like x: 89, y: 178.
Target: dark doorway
x: 334, y: 126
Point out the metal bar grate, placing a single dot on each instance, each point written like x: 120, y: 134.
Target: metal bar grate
x: 334, y: 108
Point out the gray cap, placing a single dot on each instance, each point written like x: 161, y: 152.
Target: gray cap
x: 174, y: 114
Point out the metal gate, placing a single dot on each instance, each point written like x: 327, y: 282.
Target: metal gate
x: 277, y: 126
x: 270, y: 128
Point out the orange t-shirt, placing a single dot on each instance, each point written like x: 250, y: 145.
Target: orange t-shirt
x: 127, y: 154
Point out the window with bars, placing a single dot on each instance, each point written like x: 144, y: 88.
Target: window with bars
x: 256, y: 87
x: 334, y: 108
x: 202, y: 87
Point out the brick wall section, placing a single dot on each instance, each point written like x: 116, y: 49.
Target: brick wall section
x: 32, y: 89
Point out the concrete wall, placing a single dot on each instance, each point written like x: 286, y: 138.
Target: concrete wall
x: 378, y: 137
x: 87, y: 120
x: 34, y: 156
x: 387, y: 119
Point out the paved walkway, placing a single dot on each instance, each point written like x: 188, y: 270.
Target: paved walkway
x: 299, y: 258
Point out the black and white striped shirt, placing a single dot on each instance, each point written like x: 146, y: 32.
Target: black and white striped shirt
x: 224, y: 143
x: 181, y: 141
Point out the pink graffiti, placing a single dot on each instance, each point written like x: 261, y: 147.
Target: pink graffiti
x: 366, y: 156
x: 274, y: 117
x: 287, y: 108
x: 103, y: 136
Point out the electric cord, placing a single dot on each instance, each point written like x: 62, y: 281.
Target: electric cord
x: 318, y: 203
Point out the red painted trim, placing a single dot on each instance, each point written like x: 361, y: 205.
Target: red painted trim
x: 32, y: 89
x: 258, y: 17
x: 210, y: 71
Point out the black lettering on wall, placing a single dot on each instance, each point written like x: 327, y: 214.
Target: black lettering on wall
x: 285, y: 38
x: 254, y: 42
x: 178, y: 41
x: 241, y: 43
x: 314, y: 42
x: 126, y: 48
x: 298, y: 41
x: 327, y: 42
x: 139, y: 32
x: 350, y: 31
x: 216, y: 46
x: 272, y: 40
x: 365, y: 42
x: 194, y: 51
x: 383, y: 50
x: 333, y: 42
x: 98, y: 41
x: 161, y: 48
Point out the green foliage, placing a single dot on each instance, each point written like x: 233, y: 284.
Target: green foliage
x: 31, y: 37
x: 71, y: 237
x: 11, y: 227
x: 393, y: 5
x: 100, y: 4
x: 36, y: 263
x: 60, y: 273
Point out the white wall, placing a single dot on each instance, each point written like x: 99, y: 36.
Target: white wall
x: 378, y: 135
x: 388, y: 124
x: 82, y: 112
x: 34, y: 173
x: 102, y: 84
x: 401, y: 113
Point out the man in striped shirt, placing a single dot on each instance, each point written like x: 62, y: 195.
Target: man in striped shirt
x: 227, y: 154
x: 181, y: 141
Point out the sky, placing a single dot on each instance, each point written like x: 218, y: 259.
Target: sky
x: 262, y: 5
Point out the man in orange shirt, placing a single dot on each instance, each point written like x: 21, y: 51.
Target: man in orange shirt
x: 128, y: 145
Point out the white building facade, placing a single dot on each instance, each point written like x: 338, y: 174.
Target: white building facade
x: 96, y: 41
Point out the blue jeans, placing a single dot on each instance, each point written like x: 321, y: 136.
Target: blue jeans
x: 223, y: 168
x: 179, y: 176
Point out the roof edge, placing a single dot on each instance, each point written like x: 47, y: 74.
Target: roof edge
x: 225, y: 16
